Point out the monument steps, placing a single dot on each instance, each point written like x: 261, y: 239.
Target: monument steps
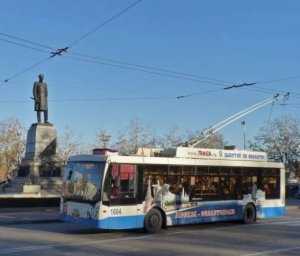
x: 51, y: 185
x: 16, y: 185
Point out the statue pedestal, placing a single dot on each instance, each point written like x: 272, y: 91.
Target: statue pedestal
x: 41, y: 141
x: 40, y: 151
x: 32, y: 189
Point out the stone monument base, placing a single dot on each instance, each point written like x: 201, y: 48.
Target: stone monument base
x: 40, y: 156
x: 41, y: 141
x: 33, y: 189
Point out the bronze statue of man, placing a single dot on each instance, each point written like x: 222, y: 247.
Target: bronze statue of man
x: 40, y: 96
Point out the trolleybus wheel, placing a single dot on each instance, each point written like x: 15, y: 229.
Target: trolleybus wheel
x: 153, y: 221
x: 249, y: 214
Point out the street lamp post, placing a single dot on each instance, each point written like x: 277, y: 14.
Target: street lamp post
x: 243, y: 123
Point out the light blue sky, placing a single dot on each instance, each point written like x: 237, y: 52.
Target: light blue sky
x: 238, y: 41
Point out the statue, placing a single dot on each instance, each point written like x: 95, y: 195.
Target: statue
x: 40, y: 158
x: 40, y: 97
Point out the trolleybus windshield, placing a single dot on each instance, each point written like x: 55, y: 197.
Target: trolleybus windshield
x: 83, y: 181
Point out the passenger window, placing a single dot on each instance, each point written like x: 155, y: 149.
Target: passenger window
x: 121, y: 184
x: 270, y: 183
x: 174, y: 179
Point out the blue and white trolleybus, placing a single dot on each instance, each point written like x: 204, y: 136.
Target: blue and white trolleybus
x: 195, y: 185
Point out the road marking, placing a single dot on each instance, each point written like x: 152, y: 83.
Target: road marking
x: 273, y: 251
x: 295, y: 222
x: 25, y: 249
x: 286, y: 222
x: 16, y: 250
x: 266, y: 223
x: 52, y: 246
x: 7, y: 217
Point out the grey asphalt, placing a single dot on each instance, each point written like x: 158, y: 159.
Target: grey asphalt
x: 269, y: 237
x: 12, y: 216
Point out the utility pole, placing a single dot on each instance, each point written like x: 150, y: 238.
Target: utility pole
x: 103, y: 138
x: 243, y: 123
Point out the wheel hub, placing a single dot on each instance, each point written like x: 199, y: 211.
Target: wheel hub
x: 154, y: 220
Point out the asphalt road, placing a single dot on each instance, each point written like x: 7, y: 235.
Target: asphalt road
x: 33, y: 215
x: 269, y: 237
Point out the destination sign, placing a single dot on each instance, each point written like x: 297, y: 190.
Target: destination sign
x: 220, y: 154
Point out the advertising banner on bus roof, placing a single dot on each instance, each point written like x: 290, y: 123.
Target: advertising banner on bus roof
x: 220, y: 154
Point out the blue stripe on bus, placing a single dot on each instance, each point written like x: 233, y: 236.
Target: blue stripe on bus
x: 137, y: 221
x: 205, y: 219
x: 196, y: 220
x: 262, y: 212
x: 91, y: 223
x: 122, y: 222
x: 270, y: 212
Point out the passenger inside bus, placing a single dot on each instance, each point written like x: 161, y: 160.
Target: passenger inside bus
x: 115, y: 192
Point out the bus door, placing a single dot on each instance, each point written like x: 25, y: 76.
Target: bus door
x: 121, y: 196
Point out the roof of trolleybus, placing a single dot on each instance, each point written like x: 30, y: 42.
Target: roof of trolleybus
x: 175, y: 161
x: 87, y: 158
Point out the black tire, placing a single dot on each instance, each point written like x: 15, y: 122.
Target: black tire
x: 249, y: 214
x: 153, y: 221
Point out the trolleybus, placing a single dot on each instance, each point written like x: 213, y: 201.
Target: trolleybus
x: 110, y: 191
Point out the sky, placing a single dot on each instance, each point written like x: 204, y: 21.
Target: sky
x: 234, y: 41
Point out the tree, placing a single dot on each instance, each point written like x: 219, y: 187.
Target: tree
x: 135, y: 136
x: 215, y: 140
x: 103, y: 138
x: 67, y: 145
x: 122, y: 144
x: 172, y: 138
x: 281, y: 140
x: 12, y: 145
x: 138, y: 135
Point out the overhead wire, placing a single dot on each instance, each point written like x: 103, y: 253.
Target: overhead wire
x: 101, y: 25
x: 136, y: 98
x: 94, y: 99
x: 117, y: 15
x: 131, y: 66
x: 149, y: 71
x: 292, y: 104
x: 19, y: 73
x: 174, y: 74
x: 278, y: 80
x: 72, y: 44
x: 280, y: 90
x: 119, y: 64
x: 196, y: 93
x: 124, y: 65
x: 27, y: 41
x: 270, y: 114
x: 263, y: 89
x: 161, y: 72
x: 23, y: 45
x: 161, y: 69
x: 297, y: 107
